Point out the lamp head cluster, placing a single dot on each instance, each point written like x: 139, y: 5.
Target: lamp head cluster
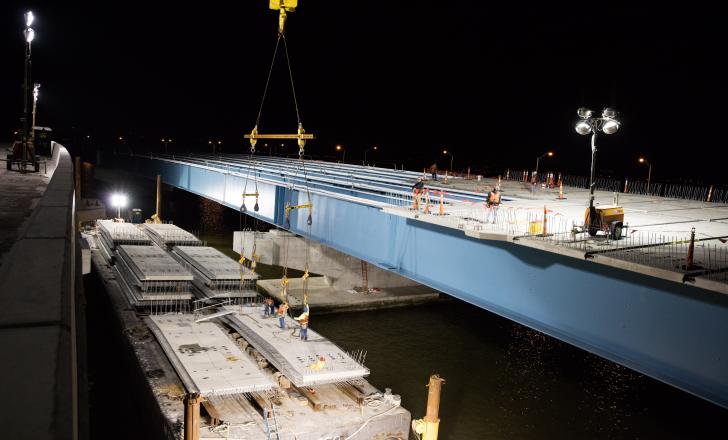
x: 29, y: 32
x: 607, y: 123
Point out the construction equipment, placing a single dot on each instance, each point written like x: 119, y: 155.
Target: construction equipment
x: 428, y: 426
x: 608, y: 218
x: 22, y: 154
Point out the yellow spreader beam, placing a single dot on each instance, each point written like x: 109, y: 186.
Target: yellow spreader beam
x: 301, y: 137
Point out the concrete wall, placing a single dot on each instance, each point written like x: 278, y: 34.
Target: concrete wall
x: 38, y: 317
x: 342, y: 271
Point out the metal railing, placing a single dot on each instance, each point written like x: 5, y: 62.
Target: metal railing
x: 663, y: 250
x: 710, y: 193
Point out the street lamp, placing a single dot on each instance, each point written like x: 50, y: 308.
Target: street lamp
x: 548, y: 153
x: 118, y: 201
x: 375, y: 148
x: 649, y: 172
x: 29, y: 34
x: 452, y: 158
x: 343, y: 153
x: 607, y: 124
x: 36, y: 86
x: 166, y: 142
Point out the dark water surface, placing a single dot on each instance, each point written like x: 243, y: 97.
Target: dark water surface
x: 503, y: 380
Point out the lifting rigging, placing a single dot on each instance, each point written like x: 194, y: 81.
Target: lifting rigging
x: 283, y: 7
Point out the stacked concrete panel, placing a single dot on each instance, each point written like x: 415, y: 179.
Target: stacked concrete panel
x: 205, y: 358
x: 149, y: 274
x: 168, y: 235
x: 313, y: 362
x: 216, y: 274
x: 113, y: 234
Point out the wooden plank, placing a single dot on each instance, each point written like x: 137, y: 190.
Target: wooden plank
x: 313, y: 399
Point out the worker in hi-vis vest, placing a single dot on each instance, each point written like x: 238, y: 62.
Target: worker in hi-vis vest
x: 494, y: 200
x: 282, y: 309
x: 303, y: 322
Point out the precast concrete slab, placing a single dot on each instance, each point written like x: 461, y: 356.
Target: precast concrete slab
x: 300, y: 361
x: 165, y: 234
x: 205, y: 358
x: 151, y: 263
x: 213, y: 264
x: 148, y: 273
x: 122, y: 233
x: 216, y: 274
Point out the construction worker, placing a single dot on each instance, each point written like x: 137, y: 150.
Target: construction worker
x: 418, y: 188
x: 303, y: 322
x: 269, y: 307
x: 494, y: 200
x: 282, y: 309
x: 319, y: 364
x: 433, y: 171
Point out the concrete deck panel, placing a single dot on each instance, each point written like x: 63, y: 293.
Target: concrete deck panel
x: 170, y: 235
x: 203, y: 354
x: 123, y: 232
x: 291, y: 356
x: 213, y: 264
x: 151, y: 263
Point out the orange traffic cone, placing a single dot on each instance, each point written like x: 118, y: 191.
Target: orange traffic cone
x: 427, y: 201
x: 543, y: 230
x: 442, y: 204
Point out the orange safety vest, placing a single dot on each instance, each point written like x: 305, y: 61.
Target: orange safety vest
x: 282, y: 309
x: 494, y: 198
x: 304, y: 321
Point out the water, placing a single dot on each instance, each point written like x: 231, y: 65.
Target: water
x: 503, y: 380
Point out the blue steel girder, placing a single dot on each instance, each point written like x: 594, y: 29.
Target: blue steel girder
x: 673, y: 332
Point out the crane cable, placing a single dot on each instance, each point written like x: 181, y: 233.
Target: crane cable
x: 309, y: 221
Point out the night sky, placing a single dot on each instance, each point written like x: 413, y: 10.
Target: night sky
x: 496, y: 85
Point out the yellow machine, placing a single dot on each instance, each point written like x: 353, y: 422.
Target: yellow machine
x: 609, y: 218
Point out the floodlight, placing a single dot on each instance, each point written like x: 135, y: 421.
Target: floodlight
x: 29, y: 35
x: 583, y: 127
x: 584, y: 113
x: 609, y: 113
x: 610, y: 126
x: 29, y: 18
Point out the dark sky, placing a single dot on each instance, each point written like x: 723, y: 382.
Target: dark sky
x: 495, y: 84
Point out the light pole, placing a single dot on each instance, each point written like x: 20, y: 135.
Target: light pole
x: 214, y: 144
x: 29, y: 34
x: 452, y: 158
x: 375, y: 148
x: 166, y: 142
x: 649, y: 172
x: 607, y: 124
x: 549, y: 154
x: 118, y: 201
x: 343, y: 153
x: 36, y: 86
